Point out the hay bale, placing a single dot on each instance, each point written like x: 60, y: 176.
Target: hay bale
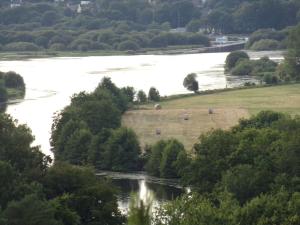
x: 186, y: 116
x: 158, y: 131
x: 210, y: 111
x: 157, y: 106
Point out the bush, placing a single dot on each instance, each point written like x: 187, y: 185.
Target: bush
x: 233, y: 58
x: 265, y: 44
x: 13, y: 80
x: 21, y: 46
x: 3, y: 92
x: 263, y: 34
x: 198, y: 39
x: 270, y: 78
x: 58, y: 47
x: 153, y: 95
x: 128, y: 45
x: 81, y: 45
x: 141, y: 96
x: 193, y: 26
x: 167, y: 159
x: 243, y: 67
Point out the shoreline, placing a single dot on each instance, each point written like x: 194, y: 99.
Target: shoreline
x: 171, y: 50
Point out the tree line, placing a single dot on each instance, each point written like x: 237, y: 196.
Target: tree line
x: 137, y: 24
x: 270, y: 72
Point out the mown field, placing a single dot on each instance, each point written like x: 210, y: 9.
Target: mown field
x: 228, y: 107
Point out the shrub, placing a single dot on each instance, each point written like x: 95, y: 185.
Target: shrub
x: 264, y: 34
x: 270, y: 78
x: 265, y: 44
x: 13, y: 80
x: 233, y: 58
x: 153, y: 95
x: 243, y: 67
x: 141, y: 96
x: 21, y: 46
x: 3, y: 92
x: 81, y: 45
x: 198, y: 39
x: 128, y: 45
x: 58, y: 47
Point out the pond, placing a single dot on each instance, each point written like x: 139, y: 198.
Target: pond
x: 146, y: 188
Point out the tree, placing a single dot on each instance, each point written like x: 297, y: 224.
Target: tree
x: 13, y: 80
x: 169, y: 158
x: 233, y: 58
x: 191, y: 83
x: 193, y: 26
x: 49, y: 18
x: 153, y: 163
x: 123, y: 150
x: 153, y: 95
x: 292, y: 58
x: 129, y: 92
x: 30, y: 211
x: 3, y: 92
x: 78, y: 190
x: 141, y: 96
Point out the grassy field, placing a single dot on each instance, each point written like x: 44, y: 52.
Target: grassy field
x: 228, y: 108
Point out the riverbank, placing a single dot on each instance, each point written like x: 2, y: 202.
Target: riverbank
x: 186, y: 117
x: 171, y: 50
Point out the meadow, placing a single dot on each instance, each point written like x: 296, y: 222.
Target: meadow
x: 188, y: 117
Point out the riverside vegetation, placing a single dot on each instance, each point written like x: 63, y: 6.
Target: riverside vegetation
x: 115, y: 25
x: 11, y: 86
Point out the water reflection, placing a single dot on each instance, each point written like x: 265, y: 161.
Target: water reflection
x: 147, y: 189
x: 3, y: 107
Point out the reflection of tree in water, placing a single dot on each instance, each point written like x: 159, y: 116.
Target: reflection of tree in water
x: 164, y: 192
x: 3, y: 107
x: 125, y: 187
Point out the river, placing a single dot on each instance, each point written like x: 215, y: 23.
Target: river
x: 50, y: 82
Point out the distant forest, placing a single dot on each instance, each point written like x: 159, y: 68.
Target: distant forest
x: 32, y: 25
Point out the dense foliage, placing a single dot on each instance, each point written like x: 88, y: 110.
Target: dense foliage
x: 246, y: 175
x: 167, y: 159
x: 131, y: 25
x: 233, y: 58
x: 32, y: 193
x: 239, y: 63
x: 88, y: 130
x: 10, y: 80
x: 191, y: 83
x: 268, y: 39
x: 289, y: 69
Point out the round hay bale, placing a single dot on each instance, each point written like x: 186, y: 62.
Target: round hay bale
x: 186, y: 116
x: 158, y: 131
x: 157, y: 106
x: 210, y: 111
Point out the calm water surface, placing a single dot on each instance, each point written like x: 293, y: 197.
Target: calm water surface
x: 50, y: 82
x: 146, y: 187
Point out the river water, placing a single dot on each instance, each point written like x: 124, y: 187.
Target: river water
x: 50, y: 82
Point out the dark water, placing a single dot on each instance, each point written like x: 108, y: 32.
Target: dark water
x: 145, y: 187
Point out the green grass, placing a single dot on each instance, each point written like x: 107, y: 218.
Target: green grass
x: 228, y: 106
x: 283, y: 98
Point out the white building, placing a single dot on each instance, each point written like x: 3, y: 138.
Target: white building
x: 15, y: 3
